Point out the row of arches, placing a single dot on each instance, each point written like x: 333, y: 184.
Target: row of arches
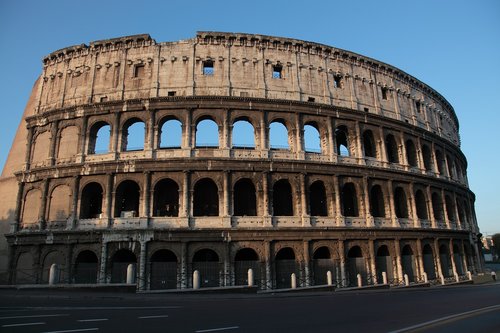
x: 163, y: 267
x: 384, y: 201
x: 247, y: 133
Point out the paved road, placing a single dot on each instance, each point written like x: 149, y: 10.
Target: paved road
x: 443, y: 309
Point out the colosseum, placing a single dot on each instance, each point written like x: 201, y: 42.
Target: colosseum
x: 231, y: 151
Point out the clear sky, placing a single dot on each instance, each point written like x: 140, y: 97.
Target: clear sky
x: 452, y: 45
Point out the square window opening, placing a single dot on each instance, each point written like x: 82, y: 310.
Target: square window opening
x: 138, y: 70
x: 171, y: 93
x: 384, y: 93
x: 337, y: 81
x: 366, y: 110
x: 311, y: 99
x: 104, y: 99
x: 277, y: 72
x: 208, y: 67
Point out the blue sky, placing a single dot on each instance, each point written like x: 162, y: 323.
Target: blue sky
x: 452, y: 45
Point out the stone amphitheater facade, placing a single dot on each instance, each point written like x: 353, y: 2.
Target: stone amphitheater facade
x: 384, y: 190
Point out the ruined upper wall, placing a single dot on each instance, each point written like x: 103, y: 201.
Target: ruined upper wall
x: 244, y: 65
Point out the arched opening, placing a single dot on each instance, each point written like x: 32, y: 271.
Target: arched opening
x: 369, y: 144
x: 133, y: 135
x: 426, y: 154
x: 451, y: 166
x: 285, y: 265
x: 341, y: 138
x: 60, y: 204
x: 428, y: 258
x: 458, y: 260
x: 282, y: 198
x: 166, y: 198
x: 400, y: 203
x: 99, y: 138
x: 392, y: 149
x: 356, y: 265
x: 163, y: 270
x: 25, y: 271
x: 450, y: 208
x: 243, y: 135
x: 205, y: 198
x: 31, y: 206
x: 51, y: 258
x: 278, y: 135
x: 421, y: 204
x: 244, y: 260
x: 383, y: 262
x: 437, y: 207
x: 377, y: 206
x: 244, y: 198
x: 68, y: 143
x: 86, y: 267
x: 170, y: 134
x: 119, y: 264
x: 312, y: 139
x: 440, y: 161
x: 207, y: 134
x: 322, y: 263
x: 40, y: 147
x: 206, y: 262
x: 411, y: 153
x: 127, y: 199
x: 349, y: 200
x: 91, y: 201
x: 317, y: 199
x: 408, y: 262
x: 444, y: 257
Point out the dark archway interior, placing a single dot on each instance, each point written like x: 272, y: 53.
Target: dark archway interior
x: 91, y: 202
x: 377, y: 206
x: 318, y: 199
x: 244, y: 198
x: 166, y: 198
x: 282, y: 198
x: 349, y: 200
x: 206, y: 198
x: 127, y: 199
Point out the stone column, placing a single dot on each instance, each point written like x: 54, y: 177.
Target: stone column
x: 398, y: 259
x: 307, y: 264
x: 338, y: 211
x: 413, y: 205
x: 452, y: 258
x: 303, y: 200
x: 224, y: 137
x: 463, y: 255
x: 16, y: 225
x: 366, y: 195
x: 438, y: 258
x: 390, y: 189
x: 445, y: 210
x: 383, y: 151
x: 74, y: 203
x: 29, y: 148
x: 150, y: 132
x: 82, y: 143
x: 373, y: 266
x: 266, y: 205
x: 359, y: 145
x: 142, y: 265
x: 116, y: 135
x: 109, y: 198
x: 183, y: 283
x: 268, y: 263
x: 227, y: 191
x: 420, y: 261
x: 430, y: 208
x: 460, y: 225
x: 54, y: 138
x: 402, y: 146
x: 342, y: 262
x: 43, y: 207
x: 227, y: 264
x: 299, y: 137
x: 264, y: 130
x: 187, y: 130
x: 146, y: 208
x: 103, y: 262
x: 185, y: 212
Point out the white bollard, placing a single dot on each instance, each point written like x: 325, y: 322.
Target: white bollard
x: 329, y: 279
x: 131, y: 274
x: 426, y: 279
x: 360, y: 280
x: 407, y: 280
x: 53, y: 274
x: 442, y: 280
x: 469, y: 275
x: 294, y: 281
x: 384, y: 277
x: 196, y: 280
x: 457, y: 278
x: 250, y: 277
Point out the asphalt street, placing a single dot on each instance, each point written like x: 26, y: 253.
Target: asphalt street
x: 470, y: 308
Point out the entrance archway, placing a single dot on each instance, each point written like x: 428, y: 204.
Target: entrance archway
x: 86, y: 267
x: 285, y: 265
x: 163, y: 270
x: 244, y: 260
x: 206, y: 262
x: 383, y: 263
x: 119, y: 264
x: 356, y: 265
x: 322, y: 263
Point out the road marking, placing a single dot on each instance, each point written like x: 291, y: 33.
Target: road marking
x: 79, y: 330
x: 218, y: 329
x: 150, y: 317
x: 443, y: 319
x: 88, y: 320
x: 24, y: 324
x: 63, y: 308
x: 35, y: 316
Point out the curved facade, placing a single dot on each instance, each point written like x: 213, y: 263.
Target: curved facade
x: 233, y: 151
